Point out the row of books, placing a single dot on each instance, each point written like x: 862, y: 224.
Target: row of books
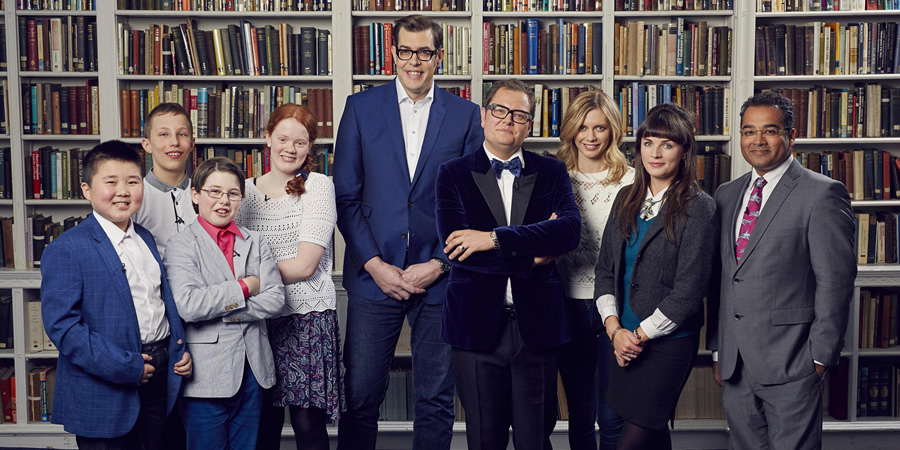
x: 41, y: 230
x: 255, y: 162
x: 464, y: 91
x: 868, y: 174
x: 713, y: 167
x: 4, y: 106
x: 372, y: 50
x: 825, y: 5
x: 876, y: 237
x: 8, y: 401
x: 673, y: 49
x: 6, y: 323
x: 225, y: 5
x: 541, y: 5
x: 864, y: 110
x: 233, y: 50
x: 224, y: 111
x: 708, y: 103
x: 528, y: 47
x: 57, y: 5
x: 674, y: 5
x: 877, y: 318
x: 51, y: 173
x: 40, y: 384
x: 827, y: 48
x: 7, y: 255
x: 411, y: 5
x: 3, y: 63
x: 38, y: 341
x: 53, y: 108
x: 58, y: 44
x: 550, y: 107
x: 878, y: 390
x: 6, y: 173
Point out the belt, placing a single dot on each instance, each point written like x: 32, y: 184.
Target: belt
x: 158, y: 352
x: 154, y: 347
x: 509, y: 312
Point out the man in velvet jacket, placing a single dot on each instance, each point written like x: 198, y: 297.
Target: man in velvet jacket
x: 502, y: 213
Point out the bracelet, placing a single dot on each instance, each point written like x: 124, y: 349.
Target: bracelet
x: 613, y: 337
x: 496, y: 241
x: 637, y: 335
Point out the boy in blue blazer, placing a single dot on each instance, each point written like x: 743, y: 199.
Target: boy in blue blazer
x: 108, y: 308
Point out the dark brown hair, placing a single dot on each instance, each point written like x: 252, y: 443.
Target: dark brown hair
x: 114, y: 150
x: 666, y: 121
x: 217, y: 164
x: 302, y: 114
x: 512, y: 84
x: 163, y: 109
x: 417, y: 23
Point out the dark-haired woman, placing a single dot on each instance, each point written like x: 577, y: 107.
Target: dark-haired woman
x: 651, y: 277
x: 294, y: 209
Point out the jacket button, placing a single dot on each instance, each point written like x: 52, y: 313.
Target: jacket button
x: 245, y: 332
x: 514, y: 254
x: 737, y: 316
x: 635, y: 286
x: 736, y: 280
x: 410, y: 204
x: 402, y: 235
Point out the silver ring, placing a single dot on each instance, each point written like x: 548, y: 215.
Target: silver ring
x: 461, y: 248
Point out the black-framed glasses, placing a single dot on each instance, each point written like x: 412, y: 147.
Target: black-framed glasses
x: 217, y: 194
x: 424, y: 54
x: 500, y: 112
x: 771, y: 132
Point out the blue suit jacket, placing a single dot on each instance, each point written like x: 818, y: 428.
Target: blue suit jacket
x: 377, y: 205
x: 89, y: 314
x: 468, y: 197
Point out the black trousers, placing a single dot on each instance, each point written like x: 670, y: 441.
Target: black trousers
x: 508, y: 385
x: 147, y: 433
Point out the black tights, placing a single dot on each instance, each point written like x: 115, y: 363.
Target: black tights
x: 309, y: 428
x: 635, y: 437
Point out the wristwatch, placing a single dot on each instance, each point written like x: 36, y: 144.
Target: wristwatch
x: 445, y: 266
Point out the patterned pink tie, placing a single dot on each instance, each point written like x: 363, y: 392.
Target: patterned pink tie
x: 750, y: 216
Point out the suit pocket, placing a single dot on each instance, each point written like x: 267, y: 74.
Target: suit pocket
x: 793, y: 316
x: 201, y: 335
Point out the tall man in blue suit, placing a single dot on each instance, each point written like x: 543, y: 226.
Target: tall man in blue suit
x: 390, y: 143
x: 503, y: 212
x: 108, y: 308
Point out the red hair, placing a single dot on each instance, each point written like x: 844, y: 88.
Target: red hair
x: 303, y: 115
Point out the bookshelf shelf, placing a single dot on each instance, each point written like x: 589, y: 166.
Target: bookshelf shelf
x: 846, y: 141
x: 60, y: 137
x: 879, y: 352
x: 669, y: 14
x: 45, y: 354
x: 289, y: 15
x: 6, y: 202
x: 396, y: 14
x: 672, y: 79
x: 241, y: 78
x: 699, y: 138
x: 437, y: 78
x: 820, y: 79
x: 229, y: 141
x: 556, y: 78
x: 70, y: 202
x: 875, y: 203
x: 30, y: 13
x: 535, y: 14
x: 30, y: 74
x: 827, y: 14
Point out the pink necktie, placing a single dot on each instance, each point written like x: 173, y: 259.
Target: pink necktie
x: 750, y: 216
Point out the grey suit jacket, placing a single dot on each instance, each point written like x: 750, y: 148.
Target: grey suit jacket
x: 788, y: 301
x: 670, y: 276
x: 222, y: 328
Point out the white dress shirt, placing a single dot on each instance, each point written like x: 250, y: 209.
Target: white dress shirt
x: 144, y: 279
x: 414, y: 117
x: 506, y: 182
x: 657, y: 325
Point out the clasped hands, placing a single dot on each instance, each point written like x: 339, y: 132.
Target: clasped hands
x: 400, y: 284
x: 626, y: 347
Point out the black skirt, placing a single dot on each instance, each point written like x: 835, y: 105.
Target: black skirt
x: 646, y: 391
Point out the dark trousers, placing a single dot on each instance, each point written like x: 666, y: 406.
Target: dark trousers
x: 583, y: 379
x: 508, y: 385
x: 219, y: 423
x: 373, y: 328
x: 147, y: 433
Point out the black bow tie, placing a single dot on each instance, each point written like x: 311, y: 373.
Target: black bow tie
x: 514, y: 166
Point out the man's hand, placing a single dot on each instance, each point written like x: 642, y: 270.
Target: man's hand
x: 252, y: 285
x: 544, y: 260
x: 423, y: 274
x: 185, y: 367
x: 390, y: 279
x: 463, y: 243
x: 148, y: 370
x: 716, y: 374
x: 820, y: 369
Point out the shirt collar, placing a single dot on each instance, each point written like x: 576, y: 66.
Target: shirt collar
x: 659, y: 195
x: 214, y: 230
x: 774, y: 176
x: 113, y: 232
x: 518, y: 154
x: 163, y: 186
x: 403, y: 96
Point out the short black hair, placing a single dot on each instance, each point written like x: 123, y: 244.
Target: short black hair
x: 216, y: 164
x: 114, y: 150
x: 512, y: 84
x: 417, y: 23
x: 774, y: 99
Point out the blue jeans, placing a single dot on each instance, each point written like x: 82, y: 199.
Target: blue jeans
x: 373, y: 328
x: 224, y: 423
x: 585, y: 382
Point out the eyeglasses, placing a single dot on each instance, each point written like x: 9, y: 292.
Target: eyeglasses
x: 217, y: 194
x: 766, y: 132
x: 501, y: 112
x: 406, y: 54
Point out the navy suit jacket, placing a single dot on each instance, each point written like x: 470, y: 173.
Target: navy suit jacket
x: 89, y: 314
x: 468, y: 197
x: 378, y: 208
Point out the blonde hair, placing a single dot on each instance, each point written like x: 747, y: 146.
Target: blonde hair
x: 586, y: 102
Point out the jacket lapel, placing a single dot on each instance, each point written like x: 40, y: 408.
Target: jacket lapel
x: 522, y: 189
x: 393, y: 125
x: 110, y: 256
x: 773, y: 204
x: 241, y: 252
x: 210, y: 253
x: 435, y: 119
x: 656, y: 227
x: 736, y: 212
x: 486, y: 181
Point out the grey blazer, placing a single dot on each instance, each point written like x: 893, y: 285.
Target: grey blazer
x: 222, y: 329
x: 670, y: 276
x: 788, y: 301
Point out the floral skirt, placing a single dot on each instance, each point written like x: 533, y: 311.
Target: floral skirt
x: 308, y: 362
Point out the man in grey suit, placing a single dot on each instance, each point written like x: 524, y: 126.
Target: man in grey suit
x: 787, y: 264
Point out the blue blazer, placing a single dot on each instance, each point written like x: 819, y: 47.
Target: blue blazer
x: 377, y: 205
x: 89, y: 315
x: 468, y: 197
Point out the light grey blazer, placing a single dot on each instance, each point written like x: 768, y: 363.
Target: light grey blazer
x: 788, y: 301
x: 222, y: 329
